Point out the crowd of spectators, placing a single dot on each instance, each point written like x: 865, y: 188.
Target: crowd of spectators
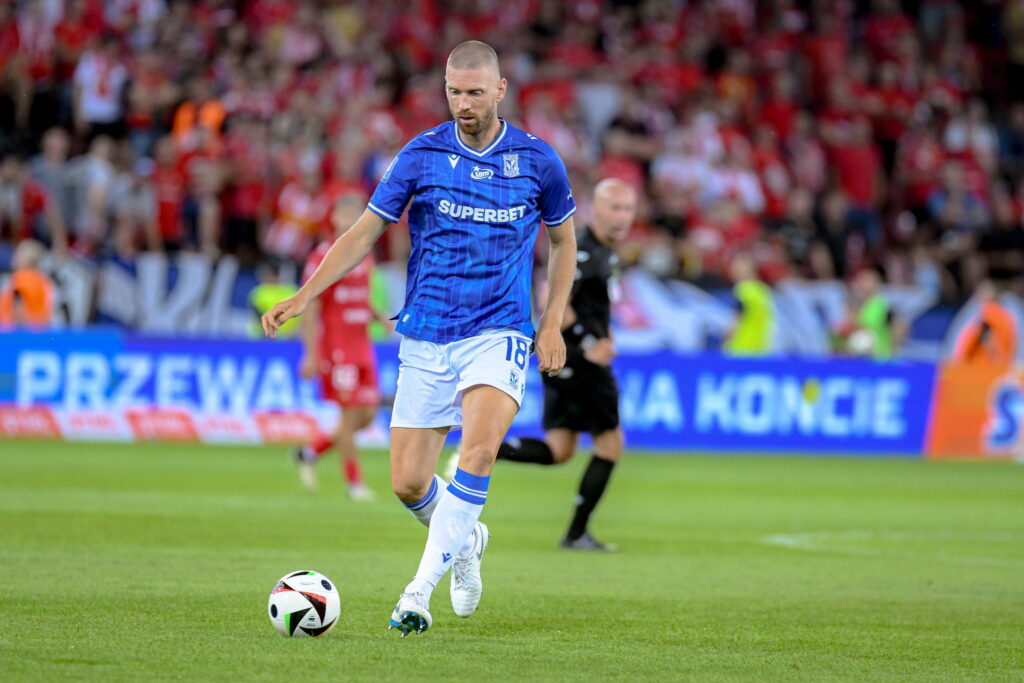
x: 822, y: 137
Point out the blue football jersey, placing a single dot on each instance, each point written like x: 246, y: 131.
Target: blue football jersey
x: 473, y: 221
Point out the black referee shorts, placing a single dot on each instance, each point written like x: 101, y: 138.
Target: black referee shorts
x: 584, y: 397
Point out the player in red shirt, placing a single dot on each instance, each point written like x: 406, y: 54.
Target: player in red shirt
x: 337, y: 348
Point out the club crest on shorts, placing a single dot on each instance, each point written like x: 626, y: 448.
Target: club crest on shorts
x: 513, y: 379
x: 511, y: 161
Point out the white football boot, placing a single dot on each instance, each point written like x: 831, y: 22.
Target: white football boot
x: 467, y: 586
x: 412, y: 614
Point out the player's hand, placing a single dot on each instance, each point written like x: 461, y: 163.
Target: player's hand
x: 550, y: 349
x: 601, y: 352
x: 308, y: 366
x: 292, y: 307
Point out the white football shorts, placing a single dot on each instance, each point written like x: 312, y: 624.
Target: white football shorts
x: 432, y: 377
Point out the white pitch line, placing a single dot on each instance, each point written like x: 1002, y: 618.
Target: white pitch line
x: 836, y: 541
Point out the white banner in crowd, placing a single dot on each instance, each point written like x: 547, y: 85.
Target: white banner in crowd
x: 192, y: 294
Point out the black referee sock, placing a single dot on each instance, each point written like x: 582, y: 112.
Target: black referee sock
x: 592, y: 486
x: 526, y: 450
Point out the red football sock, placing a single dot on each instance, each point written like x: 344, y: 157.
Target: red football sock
x: 320, y: 445
x: 352, y: 474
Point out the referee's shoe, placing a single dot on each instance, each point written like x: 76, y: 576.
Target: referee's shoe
x: 588, y: 543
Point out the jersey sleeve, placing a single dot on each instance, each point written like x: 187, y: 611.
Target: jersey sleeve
x: 557, y: 204
x: 396, y: 186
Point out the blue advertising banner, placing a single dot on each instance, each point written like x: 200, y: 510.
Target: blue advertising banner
x: 106, y: 370
x: 105, y: 384
x: 716, y: 403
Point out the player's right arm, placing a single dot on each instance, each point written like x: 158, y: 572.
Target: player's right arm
x: 346, y: 253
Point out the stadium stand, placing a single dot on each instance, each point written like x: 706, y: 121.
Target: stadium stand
x: 822, y: 137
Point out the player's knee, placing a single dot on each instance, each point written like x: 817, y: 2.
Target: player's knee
x: 364, y: 417
x: 609, y: 445
x: 408, y: 489
x: 562, y: 445
x: 561, y: 455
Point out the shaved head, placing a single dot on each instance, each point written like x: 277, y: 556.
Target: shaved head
x: 473, y: 54
x: 613, y: 186
x: 474, y: 87
x: 614, y: 210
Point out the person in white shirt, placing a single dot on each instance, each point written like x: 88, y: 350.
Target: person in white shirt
x: 99, y: 84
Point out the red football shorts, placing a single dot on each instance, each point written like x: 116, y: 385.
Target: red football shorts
x: 351, y: 385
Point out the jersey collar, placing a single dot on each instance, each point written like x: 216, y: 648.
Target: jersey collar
x: 480, y: 152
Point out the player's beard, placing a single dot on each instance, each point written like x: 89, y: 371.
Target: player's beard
x: 481, y: 124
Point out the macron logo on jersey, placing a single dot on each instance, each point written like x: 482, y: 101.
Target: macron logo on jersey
x: 481, y: 215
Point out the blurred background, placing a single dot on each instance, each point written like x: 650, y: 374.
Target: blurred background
x: 167, y: 167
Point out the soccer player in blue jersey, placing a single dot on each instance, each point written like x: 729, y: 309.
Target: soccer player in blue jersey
x: 478, y: 189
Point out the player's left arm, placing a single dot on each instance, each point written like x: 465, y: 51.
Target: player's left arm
x: 550, y: 346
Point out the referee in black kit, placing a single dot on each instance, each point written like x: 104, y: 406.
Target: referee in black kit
x: 584, y: 397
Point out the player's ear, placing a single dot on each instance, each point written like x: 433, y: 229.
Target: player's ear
x: 502, y: 87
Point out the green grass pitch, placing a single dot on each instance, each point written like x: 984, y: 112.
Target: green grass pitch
x: 155, y: 561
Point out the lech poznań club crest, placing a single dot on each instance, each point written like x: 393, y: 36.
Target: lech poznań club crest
x: 511, y: 165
